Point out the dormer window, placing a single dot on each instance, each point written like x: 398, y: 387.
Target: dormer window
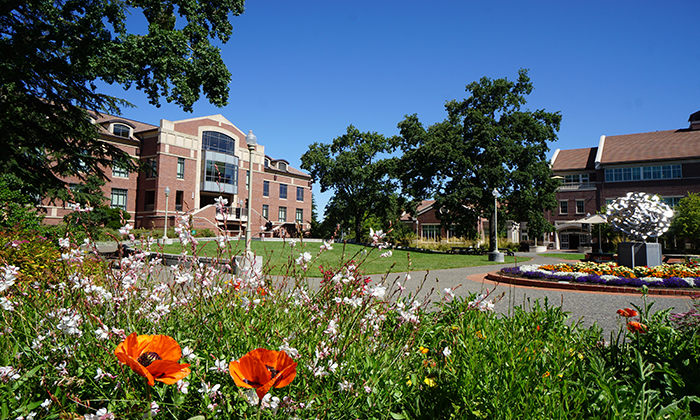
x: 694, y: 121
x: 282, y: 166
x: 267, y: 163
x: 121, y: 130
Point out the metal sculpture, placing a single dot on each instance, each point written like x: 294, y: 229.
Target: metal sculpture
x: 640, y: 215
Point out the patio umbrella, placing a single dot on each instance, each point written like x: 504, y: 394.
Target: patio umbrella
x: 593, y: 220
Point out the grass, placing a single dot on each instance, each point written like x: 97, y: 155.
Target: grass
x: 564, y: 256
x: 280, y: 256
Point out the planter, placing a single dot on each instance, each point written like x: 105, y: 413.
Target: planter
x: 538, y: 249
x: 633, y: 254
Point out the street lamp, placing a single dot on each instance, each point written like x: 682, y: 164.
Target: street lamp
x: 165, y: 226
x: 496, y: 194
x: 250, y: 140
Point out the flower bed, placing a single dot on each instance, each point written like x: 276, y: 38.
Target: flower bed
x: 665, y: 275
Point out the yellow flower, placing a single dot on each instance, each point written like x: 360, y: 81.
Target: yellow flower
x: 546, y: 374
x: 479, y: 335
x: 430, y: 382
x: 423, y: 349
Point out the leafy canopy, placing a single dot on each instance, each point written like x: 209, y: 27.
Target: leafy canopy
x: 52, y: 53
x: 361, y: 179
x: 488, y: 141
x: 686, y: 222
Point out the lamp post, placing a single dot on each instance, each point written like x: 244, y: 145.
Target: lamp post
x: 250, y: 140
x: 165, y: 226
x: 495, y: 255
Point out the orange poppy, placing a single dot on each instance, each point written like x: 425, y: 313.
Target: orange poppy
x: 155, y: 357
x: 635, y: 326
x: 627, y: 312
x: 263, y: 369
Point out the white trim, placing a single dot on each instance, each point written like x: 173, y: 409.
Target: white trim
x: 599, y: 154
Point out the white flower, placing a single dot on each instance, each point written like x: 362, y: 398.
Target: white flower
x: 64, y: 242
x: 102, y: 334
x: 7, y: 304
x: 293, y: 243
x: 9, y: 277
x: 126, y: 229
x: 46, y: 404
x: 219, y: 366
x: 332, y: 329
x: 327, y: 246
x: 446, y: 352
x: 378, y: 292
x: 268, y: 401
x: 188, y: 353
x: 182, y: 386
x: 303, y: 258
x: 386, y: 254
x: 211, y: 391
x: 8, y: 373
x: 345, y: 385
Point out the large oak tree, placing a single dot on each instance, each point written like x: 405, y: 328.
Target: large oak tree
x: 52, y: 54
x: 488, y: 141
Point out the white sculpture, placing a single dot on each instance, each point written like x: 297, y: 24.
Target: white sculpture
x: 640, y: 215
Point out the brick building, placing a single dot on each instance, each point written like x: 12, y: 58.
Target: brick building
x: 664, y: 163
x: 199, y: 160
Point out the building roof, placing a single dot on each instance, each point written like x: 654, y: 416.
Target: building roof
x: 136, y: 125
x: 575, y: 159
x: 655, y: 146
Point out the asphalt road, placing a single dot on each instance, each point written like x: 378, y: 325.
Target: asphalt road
x: 584, y: 308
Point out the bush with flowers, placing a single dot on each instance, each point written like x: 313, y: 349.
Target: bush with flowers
x: 193, y: 341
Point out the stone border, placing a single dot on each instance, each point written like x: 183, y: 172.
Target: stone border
x: 498, y: 277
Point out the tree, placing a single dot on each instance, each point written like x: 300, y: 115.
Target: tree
x: 53, y: 53
x: 362, y: 182
x: 686, y: 222
x: 16, y: 208
x: 486, y: 142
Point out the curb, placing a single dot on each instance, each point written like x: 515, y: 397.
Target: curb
x: 497, y: 277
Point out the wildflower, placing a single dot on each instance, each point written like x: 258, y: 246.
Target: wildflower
x: 423, y: 350
x: 386, y: 254
x: 627, y: 312
x: 126, y: 229
x: 188, y: 353
x: 207, y: 389
x: 155, y: 357
x: 378, y: 292
x: 8, y: 373
x: 7, y: 304
x: 263, y: 369
x: 546, y: 374
x: 46, y: 404
x: 368, y: 389
x: 446, y: 352
x: 430, y: 381
x: 219, y: 366
x: 182, y: 386
x: 327, y: 246
x: 9, y: 277
x: 268, y: 401
x: 293, y: 243
x: 101, y: 414
x: 345, y: 385
x: 102, y: 333
x: 635, y: 326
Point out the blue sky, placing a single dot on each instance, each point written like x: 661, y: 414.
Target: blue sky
x: 305, y: 70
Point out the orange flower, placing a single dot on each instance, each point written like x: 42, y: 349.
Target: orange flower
x: 263, y: 369
x: 627, y: 312
x: 635, y: 326
x: 155, y: 357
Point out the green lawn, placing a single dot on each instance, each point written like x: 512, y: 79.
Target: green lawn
x: 280, y: 256
x: 565, y: 256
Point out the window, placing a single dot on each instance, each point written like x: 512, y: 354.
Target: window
x: 300, y: 193
x: 218, y: 142
x: 150, y: 201
x: 576, y: 179
x: 118, y: 199
x: 180, y: 168
x: 283, y: 191
x: 267, y: 162
x: 563, y: 207
x: 266, y: 211
x: 430, y: 232
x: 121, y: 130
x: 643, y: 173
x: 151, y: 168
x: 119, y: 172
x: 672, y: 201
x: 221, y: 172
x: 580, y: 206
x: 282, y: 214
x: 299, y: 216
x: 266, y: 188
x: 178, y: 200
x: 282, y: 166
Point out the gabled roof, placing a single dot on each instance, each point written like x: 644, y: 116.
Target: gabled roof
x: 575, y: 159
x: 136, y: 125
x: 654, y: 146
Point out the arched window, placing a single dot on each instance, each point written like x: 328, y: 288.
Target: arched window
x: 121, y: 130
x: 218, y: 142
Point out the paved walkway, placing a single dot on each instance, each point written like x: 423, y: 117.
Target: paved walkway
x: 585, y: 308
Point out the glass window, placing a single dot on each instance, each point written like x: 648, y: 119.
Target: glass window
x: 121, y: 130
x: 179, y: 199
x: 563, y: 207
x: 119, y: 172
x: 180, y: 168
x: 282, y: 214
x: 150, y: 200
x: 299, y: 216
x: 300, y: 193
x: 282, y: 166
x: 151, y: 168
x: 221, y: 172
x: 580, y: 206
x: 218, y: 142
x: 118, y: 198
x: 266, y: 188
x: 283, y: 191
x: 672, y: 201
x: 266, y: 211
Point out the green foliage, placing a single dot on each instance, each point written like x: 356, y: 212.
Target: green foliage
x: 686, y: 222
x: 362, y: 181
x: 487, y: 141
x: 53, y: 55
x: 89, y: 195
x: 17, y: 211
x: 35, y: 255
